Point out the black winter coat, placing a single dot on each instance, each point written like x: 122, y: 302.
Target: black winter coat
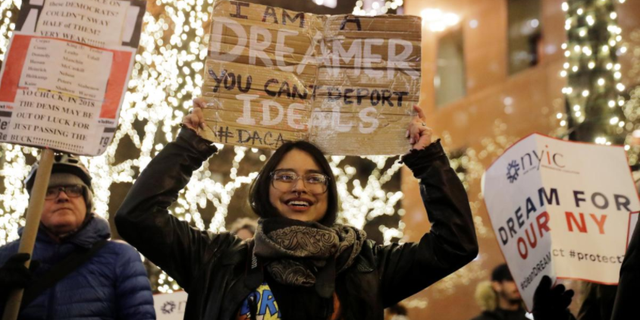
x: 626, y: 302
x: 500, y: 314
x: 211, y: 267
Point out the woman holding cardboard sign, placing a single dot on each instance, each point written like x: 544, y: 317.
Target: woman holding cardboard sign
x: 301, y: 264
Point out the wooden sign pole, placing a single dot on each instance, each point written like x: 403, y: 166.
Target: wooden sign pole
x: 34, y: 212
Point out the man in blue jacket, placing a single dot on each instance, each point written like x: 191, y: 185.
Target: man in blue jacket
x: 111, y: 284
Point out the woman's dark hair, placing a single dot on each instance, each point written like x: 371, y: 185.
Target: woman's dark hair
x: 259, y: 192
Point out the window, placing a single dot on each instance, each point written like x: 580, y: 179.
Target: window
x: 523, y: 34
x: 450, y: 80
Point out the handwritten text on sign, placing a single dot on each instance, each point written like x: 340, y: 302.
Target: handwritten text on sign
x: 346, y: 83
x: 561, y: 209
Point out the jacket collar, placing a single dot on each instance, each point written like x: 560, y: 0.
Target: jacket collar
x: 95, y: 229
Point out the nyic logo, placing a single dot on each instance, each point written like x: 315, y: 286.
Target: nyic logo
x: 512, y: 171
x: 533, y: 160
x: 168, y: 307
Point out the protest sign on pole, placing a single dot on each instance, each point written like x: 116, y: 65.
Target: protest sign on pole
x: 28, y: 240
x: 66, y: 72
x: 343, y: 82
x: 62, y: 84
x: 561, y: 209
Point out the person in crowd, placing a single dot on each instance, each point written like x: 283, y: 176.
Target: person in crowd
x: 624, y: 306
x: 499, y: 298
x: 76, y: 272
x: 396, y: 312
x: 244, y: 228
x: 301, y: 264
x: 608, y: 302
x: 551, y: 302
x: 598, y: 301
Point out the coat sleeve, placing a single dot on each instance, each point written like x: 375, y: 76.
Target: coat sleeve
x: 629, y: 285
x: 405, y: 269
x: 144, y: 221
x: 598, y: 301
x: 133, y: 292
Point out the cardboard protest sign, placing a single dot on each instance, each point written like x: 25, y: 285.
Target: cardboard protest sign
x: 66, y: 72
x: 561, y: 209
x: 343, y: 82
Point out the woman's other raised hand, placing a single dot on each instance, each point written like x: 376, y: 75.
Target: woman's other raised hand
x: 418, y: 133
x: 195, y: 119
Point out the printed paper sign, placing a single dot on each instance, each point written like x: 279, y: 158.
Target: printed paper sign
x: 346, y: 83
x: 170, y: 306
x: 96, y: 23
x: 59, y: 121
x: 561, y: 209
x: 66, y: 67
x: 66, y: 72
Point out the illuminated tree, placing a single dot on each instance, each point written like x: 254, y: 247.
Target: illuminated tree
x: 594, y: 92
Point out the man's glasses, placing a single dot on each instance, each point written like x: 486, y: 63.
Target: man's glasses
x: 73, y: 191
x: 284, y: 180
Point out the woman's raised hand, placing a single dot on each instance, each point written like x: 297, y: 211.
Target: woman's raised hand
x: 195, y: 119
x: 418, y: 133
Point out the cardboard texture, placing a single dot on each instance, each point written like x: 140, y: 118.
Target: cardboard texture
x: 343, y: 82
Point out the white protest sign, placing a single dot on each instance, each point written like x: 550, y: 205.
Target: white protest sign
x: 561, y: 209
x: 66, y: 72
x: 170, y: 306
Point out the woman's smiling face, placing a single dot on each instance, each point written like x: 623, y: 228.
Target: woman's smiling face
x: 297, y: 201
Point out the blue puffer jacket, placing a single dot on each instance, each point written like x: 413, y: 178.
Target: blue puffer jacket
x: 113, y: 284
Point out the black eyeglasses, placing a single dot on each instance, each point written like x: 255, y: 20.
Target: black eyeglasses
x: 72, y: 191
x: 284, y: 180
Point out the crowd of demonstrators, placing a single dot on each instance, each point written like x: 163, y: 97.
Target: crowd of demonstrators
x: 295, y: 262
x: 75, y: 272
x: 300, y: 264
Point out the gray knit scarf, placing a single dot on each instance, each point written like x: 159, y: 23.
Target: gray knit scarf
x: 307, y: 253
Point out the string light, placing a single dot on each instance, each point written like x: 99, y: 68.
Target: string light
x: 594, y: 36
x: 8, y: 12
x: 376, y: 7
x: 470, y: 166
x: 437, y: 20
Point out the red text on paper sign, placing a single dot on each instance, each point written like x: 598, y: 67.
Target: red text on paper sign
x: 536, y: 225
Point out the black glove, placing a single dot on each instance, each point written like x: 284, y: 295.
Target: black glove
x: 14, y: 275
x: 551, y: 303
